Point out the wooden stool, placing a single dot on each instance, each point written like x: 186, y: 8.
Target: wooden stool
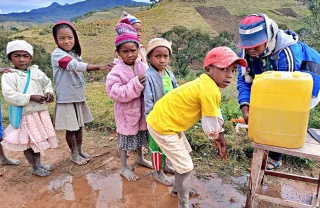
x: 310, y: 150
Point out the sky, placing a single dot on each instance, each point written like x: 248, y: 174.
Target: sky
x: 8, y: 6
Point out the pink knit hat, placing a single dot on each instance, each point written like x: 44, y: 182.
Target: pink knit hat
x: 126, y: 33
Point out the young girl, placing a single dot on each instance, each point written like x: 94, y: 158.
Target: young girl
x: 71, y: 112
x: 137, y: 25
x: 125, y: 85
x: 159, y: 81
x: 36, y: 132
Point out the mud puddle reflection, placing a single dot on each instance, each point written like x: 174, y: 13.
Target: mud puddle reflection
x: 103, y: 190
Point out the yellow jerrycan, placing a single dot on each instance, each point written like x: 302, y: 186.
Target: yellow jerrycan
x: 279, y: 108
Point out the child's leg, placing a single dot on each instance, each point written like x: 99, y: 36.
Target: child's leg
x: 125, y: 171
x: 7, y: 161
x: 39, y: 164
x: 182, y: 183
x: 162, y: 178
x: 79, y: 144
x: 141, y: 159
x: 167, y: 168
x: 30, y: 155
x: 72, y: 143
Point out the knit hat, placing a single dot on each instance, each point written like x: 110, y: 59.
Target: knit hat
x: 253, y: 31
x: 223, y: 57
x: 19, y: 45
x: 76, y: 47
x: 131, y: 18
x: 126, y: 33
x: 156, y: 42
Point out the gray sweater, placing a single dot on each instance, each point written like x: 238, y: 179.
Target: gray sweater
x: 68, y: 76
x: 153, y: 89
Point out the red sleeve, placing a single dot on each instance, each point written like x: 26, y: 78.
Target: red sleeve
x: 64, y: 61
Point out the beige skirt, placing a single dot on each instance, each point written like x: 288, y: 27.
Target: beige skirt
x: 71, y: 116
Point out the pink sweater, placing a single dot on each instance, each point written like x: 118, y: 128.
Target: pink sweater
x: 124, y: 88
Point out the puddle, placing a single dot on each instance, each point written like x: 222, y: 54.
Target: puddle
x: 103, y: 190
x: 288, y: 189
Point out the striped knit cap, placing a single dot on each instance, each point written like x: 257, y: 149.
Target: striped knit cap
x: 126, y: 33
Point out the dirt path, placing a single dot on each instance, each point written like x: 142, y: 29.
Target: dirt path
x: 98, y: 184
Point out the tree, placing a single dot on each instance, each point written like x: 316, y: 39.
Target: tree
x: 310, y: 33
x: 189, y: 46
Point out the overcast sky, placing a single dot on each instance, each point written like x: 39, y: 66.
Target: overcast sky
x: 8, y: 6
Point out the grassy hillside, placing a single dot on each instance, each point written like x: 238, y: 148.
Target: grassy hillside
x: 97, y: 33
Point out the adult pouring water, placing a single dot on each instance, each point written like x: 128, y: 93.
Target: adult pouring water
x: 267, y: 48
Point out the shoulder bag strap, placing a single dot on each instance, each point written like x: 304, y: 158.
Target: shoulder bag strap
x: 27, y: 84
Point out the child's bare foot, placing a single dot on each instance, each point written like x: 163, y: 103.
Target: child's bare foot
x: 162, y: 178
x: 40, y: 171
x: 168, y: 169
x: 145, y: 163
x: 85, y: 155
x: 128, y: 174
x: 46, y: 167
x: 8, y: 161
x: 76, y: 158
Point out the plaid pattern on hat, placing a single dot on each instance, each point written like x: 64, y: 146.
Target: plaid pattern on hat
x: 19, y: 45
x: 253, y: 31
x: 126, y: 33
x: 222, y: 57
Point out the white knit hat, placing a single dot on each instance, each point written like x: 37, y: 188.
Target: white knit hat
x: 19, y: 45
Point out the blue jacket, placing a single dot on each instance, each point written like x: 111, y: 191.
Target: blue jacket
x: 288, y: 55
x: 153, y: 89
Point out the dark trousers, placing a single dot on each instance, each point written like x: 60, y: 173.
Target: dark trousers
x: 275, y: 155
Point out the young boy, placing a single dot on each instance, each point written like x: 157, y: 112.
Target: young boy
x: 182, y: 107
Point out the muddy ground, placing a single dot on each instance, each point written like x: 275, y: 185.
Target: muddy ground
x: 99, y: 184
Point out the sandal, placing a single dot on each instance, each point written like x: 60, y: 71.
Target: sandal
x: 273, y: 164
x: 192, y: 193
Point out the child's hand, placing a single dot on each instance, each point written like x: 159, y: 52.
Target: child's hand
x: 5, y: 70
x: 38, y: 98
x: 220, y: 143
x: 50, y: 97
x: 142, y: 79
x: 106, y: 67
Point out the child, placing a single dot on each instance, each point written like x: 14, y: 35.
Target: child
x: 72, y: 111
x: 182, y: 107
x: 36, y: 132
x: 137, y: 25
x: 125, y: 84
x: 159, y: 81
x: 3, y: 159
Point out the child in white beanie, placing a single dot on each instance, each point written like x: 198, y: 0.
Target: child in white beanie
x: 29, y: 87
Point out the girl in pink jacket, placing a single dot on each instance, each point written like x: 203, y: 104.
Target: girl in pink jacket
x: 125, y: 84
